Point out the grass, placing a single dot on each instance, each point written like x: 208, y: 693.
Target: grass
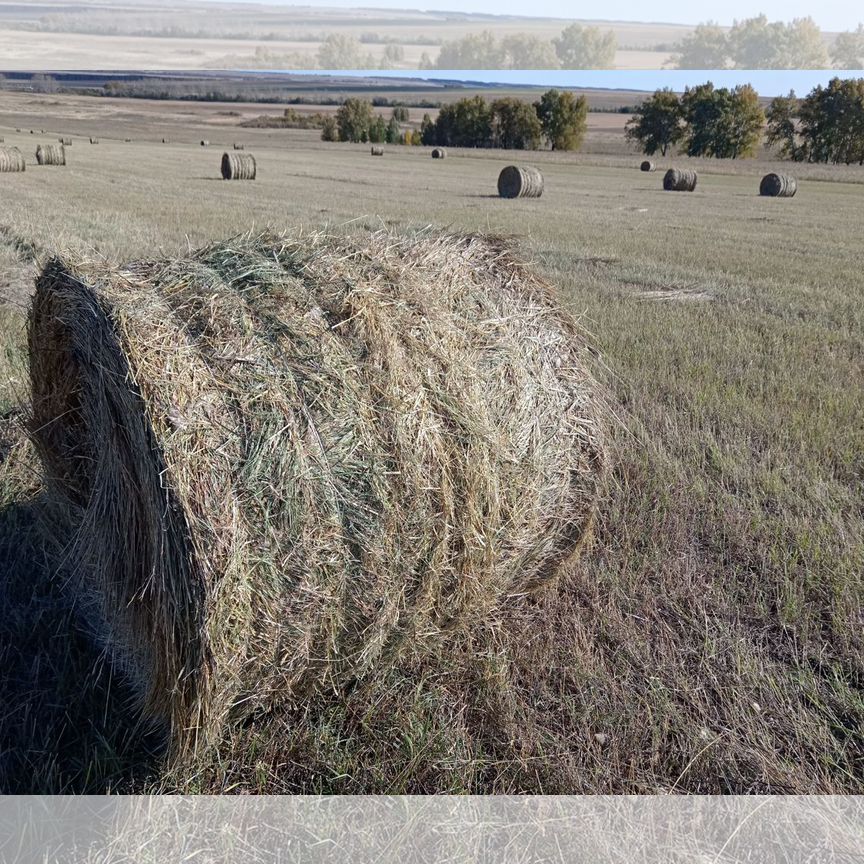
x: 711, y: 639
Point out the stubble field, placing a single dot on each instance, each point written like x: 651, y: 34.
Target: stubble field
x: 710, y: 640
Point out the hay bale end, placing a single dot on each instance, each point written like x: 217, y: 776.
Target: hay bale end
x: 238, y: 166
x: 778, y: 186
x: 679, y: 180
x: 520, y: 182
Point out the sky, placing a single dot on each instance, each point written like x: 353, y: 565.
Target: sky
x: 765, y: 82
x: 829, y: 14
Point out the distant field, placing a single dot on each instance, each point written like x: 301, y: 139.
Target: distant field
x: 710, y: 640
x: 202, y: 35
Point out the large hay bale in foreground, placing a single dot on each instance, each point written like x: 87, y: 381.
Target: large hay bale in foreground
x: 377, y: 151
x: 647, y: 165
x: 238, y: 166
x: 51, y: 154
x: 439, y: 153
x: 284, y: 462
x: 679, y: 180
x: 11, y: 159
x: 516, y: 182
x: 778, y: 186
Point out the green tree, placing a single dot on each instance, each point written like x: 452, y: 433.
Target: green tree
x: 526, y: 51
x: 757, y: 43
x: 377, y: 130
x: 515, y: 125
x: 831, y: 122
x: 466, y: 123
x: 329, y: 129
x: 354, y: 119
x: 580, y: 47
x: 400, y: 113
x: 428, y: 131
x: 657, y: 124
x: 848, y: 50
x: 707, y: 47
x: 393, y: 133
x: 781, y: 130
x: 393, y: 56
x: 563, y: 118
x: 477, y: 51
x: 723, y: 123
x: 340, y: 51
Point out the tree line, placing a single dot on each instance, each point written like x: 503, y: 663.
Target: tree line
x: 557, y: 120
x: 825, y: 126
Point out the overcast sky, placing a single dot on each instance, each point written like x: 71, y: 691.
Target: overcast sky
x: 829, y: 14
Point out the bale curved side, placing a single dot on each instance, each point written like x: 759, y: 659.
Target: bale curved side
x: 520, y: 182
x: 439, y: 153
x: 238, y: 166
x: 647, y: 165
x: 679, y: 180
x: 377, y: 151
x: 11, y: 159
x: 286, y: 461
x: 51, y: 154
x: 778, y: 186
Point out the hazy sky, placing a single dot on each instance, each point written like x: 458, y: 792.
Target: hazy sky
x: 829, y: 14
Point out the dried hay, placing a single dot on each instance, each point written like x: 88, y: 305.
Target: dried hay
x: 66, y: 142
x: 94, y: 140
x: 679, y: 180
x: 439, y: 153
x: 51, y: 154
x: 516, y: 182
x: 778, y: 186
x: 239, y: 146
x: 377, y: 151
x: 11, y: 159
x: 283, y: 462
x: 238, y: 166
x: 205, y: 143
x: 647, y: 165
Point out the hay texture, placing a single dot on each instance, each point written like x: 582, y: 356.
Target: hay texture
x: 51, y: 154
x: 679, y: 180
x: 516, y: 182
x: 778, y: 186
x: 238, y: 166
x: 66, y: 142
x: 11, y: 159
x: 285, y: 461
x: 94, y: 140
x: 377, y: 151
x: 205, y: 143
x: 647, y: 165
x: 239, y: 146
x: 439, y: 153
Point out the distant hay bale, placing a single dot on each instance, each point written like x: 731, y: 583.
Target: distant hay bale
x: 679, y: 180
x: 239, y: 146
x: 439, y: 153
x: 647, y: 165
x: 238, y: 166
x: 94, y: 140
x: 205, y: 143
x: 284, y: 462
x: 51, y: 154
x: 377, y: 151
x: 520, y: 182
x: 127, y: 140
x: 164, y: 140
x: 11, y: 159
x: 778, y: 186
x: 66, y: 142
x: 17, y: 128
x: 2, y: 140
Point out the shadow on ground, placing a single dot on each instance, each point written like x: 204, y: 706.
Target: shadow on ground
x: 65, y: 721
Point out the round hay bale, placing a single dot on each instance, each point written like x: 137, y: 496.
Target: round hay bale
x: 647, y: 165
x: 520, y: 182
x: 51, y: 154
x: 2, y: 139
x: 239, y: 146
x: 17, y: 128
x: 778, y: 186
x: 11, y: 159
x: 238, y: 166
x: 66, y: 142
x: 94, y: 140
x: 377, y: 151
x: 205, y: 143
x: 679, y: 180
x: 439, y: 153
x: 127, y: 140
x: 284, y: 462
x: 164, y: 140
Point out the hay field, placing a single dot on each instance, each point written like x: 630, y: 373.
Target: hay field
x: 710, y: 640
